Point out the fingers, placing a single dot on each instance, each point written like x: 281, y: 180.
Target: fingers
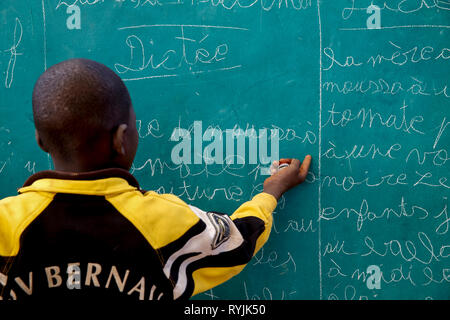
x: 294, y: 163
x: 301, y: 167
x: 285, y: 160
x: 304, y: 168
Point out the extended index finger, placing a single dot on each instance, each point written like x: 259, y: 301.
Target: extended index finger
x: 304, y: 168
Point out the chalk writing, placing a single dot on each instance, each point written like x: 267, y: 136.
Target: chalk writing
x: 269, y: 5
x: 266, y: 294
x: 370, y: 118
x: 363, y: 213
x: 399, y: 57
x: 273, y: 261
x: 400, y: 6
x: 265, y: 5
x: 189, y: 55
x: 153, y: 129
x: 381, y: 199
x: 385, y: 87
x: 436, y: 157
x: 5, y: 146
x: 17, y: 39
x: 300, y: 226
x: 78, y: 3
x: 442, y: 129
x: 361, y: 85
x: 356, y: 151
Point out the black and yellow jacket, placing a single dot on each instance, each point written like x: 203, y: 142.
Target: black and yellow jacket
x: 97, y: 235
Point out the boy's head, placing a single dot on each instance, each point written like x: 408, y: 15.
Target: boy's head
x: 84, y: 117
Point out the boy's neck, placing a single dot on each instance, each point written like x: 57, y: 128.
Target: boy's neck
x: 78, y: 165
x: 72, y: 168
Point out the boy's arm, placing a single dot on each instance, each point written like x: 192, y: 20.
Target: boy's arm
x: 224, y: 244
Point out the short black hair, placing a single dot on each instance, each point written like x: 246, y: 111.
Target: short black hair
x: 76, y: 101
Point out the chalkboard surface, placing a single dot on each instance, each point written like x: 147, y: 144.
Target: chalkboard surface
x: 362, y: 86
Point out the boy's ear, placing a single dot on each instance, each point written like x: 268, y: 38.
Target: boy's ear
x: 119, y: 139
x: 39, y: 141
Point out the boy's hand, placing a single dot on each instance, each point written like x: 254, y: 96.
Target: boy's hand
x: 287, y: 178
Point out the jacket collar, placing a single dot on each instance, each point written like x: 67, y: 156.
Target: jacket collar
x: 100, y: 182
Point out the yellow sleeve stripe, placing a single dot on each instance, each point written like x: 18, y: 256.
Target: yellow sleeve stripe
x: 261, y: 206
x: 17, y: 213
x: 161, y: 221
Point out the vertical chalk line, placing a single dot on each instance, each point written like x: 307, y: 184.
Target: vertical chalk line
x: 319, y: 230
x: 45, y: 35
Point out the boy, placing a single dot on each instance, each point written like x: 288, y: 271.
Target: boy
x: 87, y: 230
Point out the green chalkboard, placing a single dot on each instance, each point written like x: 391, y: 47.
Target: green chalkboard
x: 362, y: 86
